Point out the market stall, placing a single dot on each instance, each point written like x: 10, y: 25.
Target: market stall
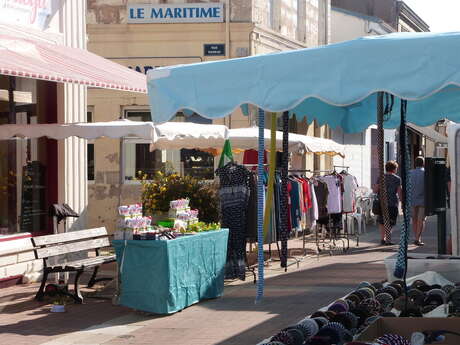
x: 165, y: 276
x: 167, y: 265
x: 414, y: 74
x: 176, y: 135
x: 421, y: 80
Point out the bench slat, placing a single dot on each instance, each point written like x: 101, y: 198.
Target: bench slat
x: 98, y: 260
x: 69, y: 236
x: 72, y: 247
x: 91, y: 262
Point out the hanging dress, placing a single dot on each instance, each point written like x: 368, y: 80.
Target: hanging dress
x: 234, y: 195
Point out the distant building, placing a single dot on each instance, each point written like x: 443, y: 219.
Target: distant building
x: 351, y: 19
x: 397, y: 14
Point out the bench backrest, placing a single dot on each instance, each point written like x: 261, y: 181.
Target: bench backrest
x: 70, y: 242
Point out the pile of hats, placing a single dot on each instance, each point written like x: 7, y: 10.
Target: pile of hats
x: 317, y: 330
x: 369, y: 301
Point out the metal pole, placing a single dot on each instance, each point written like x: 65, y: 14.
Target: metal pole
x: 284, y: 192
x: 442, y: 239
x: 381, y: 159
x: 260, y: 207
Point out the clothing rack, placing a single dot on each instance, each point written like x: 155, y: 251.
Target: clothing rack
x: 253, y: 165
x: 304, y: 239
x: 297, y: 261
x: 307, y: 170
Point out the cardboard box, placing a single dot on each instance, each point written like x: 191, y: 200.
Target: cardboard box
x: 405, y: 326
x: 446, y: 265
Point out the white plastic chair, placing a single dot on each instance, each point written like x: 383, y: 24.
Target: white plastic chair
x: 356, y: 222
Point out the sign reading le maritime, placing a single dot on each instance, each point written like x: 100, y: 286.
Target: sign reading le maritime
x: 176, y: 13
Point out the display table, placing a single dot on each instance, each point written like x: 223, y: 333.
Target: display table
x: 164, y: 277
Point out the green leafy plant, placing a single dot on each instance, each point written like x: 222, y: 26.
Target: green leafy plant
x: 202, y: 226
x: 164, y: 186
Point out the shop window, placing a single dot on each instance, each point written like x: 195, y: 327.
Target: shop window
x: 26, y: 165
x: 90, y: 153
x: 198, y: 164
x: 139, y: 158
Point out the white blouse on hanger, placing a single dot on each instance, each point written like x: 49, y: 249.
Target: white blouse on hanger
x: 350, y: 185
x: 334, y: 198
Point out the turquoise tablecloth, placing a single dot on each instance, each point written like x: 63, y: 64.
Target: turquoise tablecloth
x: 166, y: 276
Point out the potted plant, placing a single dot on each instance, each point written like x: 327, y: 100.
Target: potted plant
x: 59, y: 304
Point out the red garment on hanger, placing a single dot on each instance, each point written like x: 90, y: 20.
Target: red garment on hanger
x: 307, y: 193
x: 251, y: 157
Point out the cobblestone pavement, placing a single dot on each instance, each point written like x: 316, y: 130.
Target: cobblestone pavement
x: 230, y: 320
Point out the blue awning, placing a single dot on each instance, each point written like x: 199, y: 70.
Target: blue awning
x: 335, y: 84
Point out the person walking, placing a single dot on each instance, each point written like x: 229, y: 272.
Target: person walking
x: 393, y: 184
x: 417, y: 179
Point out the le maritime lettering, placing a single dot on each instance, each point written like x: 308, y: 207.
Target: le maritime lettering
x: 174, y: 13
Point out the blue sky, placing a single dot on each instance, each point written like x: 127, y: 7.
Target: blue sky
x: 441, y: 15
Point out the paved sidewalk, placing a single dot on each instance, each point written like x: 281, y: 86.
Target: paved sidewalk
x: 230, y: 320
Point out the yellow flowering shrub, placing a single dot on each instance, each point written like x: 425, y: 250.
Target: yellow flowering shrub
x: 164, y: 186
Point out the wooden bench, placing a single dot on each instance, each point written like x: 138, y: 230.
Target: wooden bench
x: 71, y: 242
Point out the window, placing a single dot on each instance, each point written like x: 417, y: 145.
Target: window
x: 138, y: 157
x: 27, y: 166
x: 90, y: 149
x: 198, y: 164
x: 90, y: 153
x: 136, y: 152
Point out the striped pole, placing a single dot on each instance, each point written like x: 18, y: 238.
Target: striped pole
x: 260, y: 207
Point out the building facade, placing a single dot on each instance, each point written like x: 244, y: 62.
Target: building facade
x: 353, y: 19
x: 147, y: 34
x: 37, y: 173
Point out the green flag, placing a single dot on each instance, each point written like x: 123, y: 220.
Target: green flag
x: 226, y: 155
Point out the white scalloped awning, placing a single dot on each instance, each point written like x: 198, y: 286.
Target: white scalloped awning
x: 94, y: 130
x: 179, y: 135
x: 187, y: 135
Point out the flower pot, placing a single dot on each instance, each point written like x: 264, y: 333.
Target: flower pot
x: 58, y: 308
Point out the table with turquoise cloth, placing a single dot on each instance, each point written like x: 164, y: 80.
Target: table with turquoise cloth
x: 164, y: 277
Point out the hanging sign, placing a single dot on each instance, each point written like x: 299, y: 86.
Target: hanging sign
x: 214, y: 49
x: 176, y: 13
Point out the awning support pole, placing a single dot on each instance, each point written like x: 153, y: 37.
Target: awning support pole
x: 271, y: 175
x: 382, y: 183
x: 401, y: 262
x: 260, y: 207
x: 284, y: 192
